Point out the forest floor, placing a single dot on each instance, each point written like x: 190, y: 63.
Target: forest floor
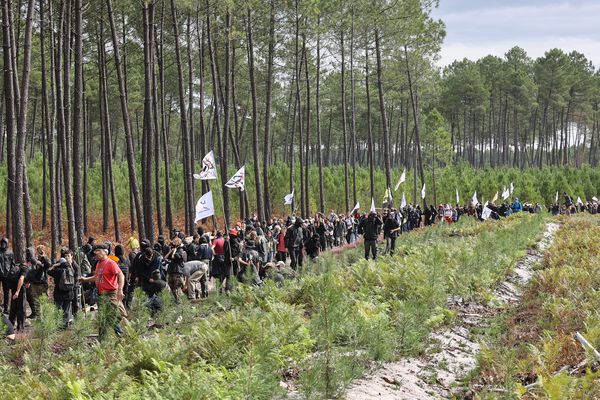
x: 452, y: 352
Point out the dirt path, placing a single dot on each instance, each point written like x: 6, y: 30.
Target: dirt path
x: 453, y: 352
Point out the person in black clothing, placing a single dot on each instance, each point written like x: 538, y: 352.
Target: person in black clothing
x: 63, y: 297
x: 294, y: 240
x: 391, y: 230
x: 124, y: 266
x: 6, y: 262
x: 144, y: 266
x: 16, y: 283
x: 161, y: 246
x: 371, y: 227
x: 37, y: 278
x: 313, y: 246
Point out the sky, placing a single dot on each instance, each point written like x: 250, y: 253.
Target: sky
x: 476, y: 28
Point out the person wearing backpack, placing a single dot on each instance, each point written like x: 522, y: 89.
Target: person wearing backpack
x: 7, y: 260
x: 294, y: 241
x: 176, y: 258
x: 37, y: 279
x: 65, y: 276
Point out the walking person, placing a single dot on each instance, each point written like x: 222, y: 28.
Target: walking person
x: 65, y: 276
x: 37, y: 279
x: 176, y: 257
x: 7, y: 260
x: 371, y: 227
x: 110, y: 282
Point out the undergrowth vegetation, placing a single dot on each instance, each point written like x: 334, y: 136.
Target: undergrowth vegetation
x: 536, y: 345
x: 313, y: 335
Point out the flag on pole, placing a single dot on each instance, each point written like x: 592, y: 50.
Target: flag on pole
x: 423, y: 192
x: 474, y: 199
x: 495, y: 198
x: 579, y: 202
x: 387, y: 198
x: 594, y: 198
x: 237, y: 180
x: 512, y: 188
x: 209, y: 168
x: 457, y: 198
x: 556, y: 197
x: 505, y: 194
x: 288, y: 198
x: 403, y: 204
x: 373, y: 210
x: 356, y: 207
x: 486, y: 213
x: 400, y: 181
x: 205, y: 206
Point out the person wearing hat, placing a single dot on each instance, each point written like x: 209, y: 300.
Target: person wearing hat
x: 109, y: 280
x: 176, y: 257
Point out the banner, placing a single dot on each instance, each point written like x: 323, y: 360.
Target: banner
x: 209, y: 168
x: 287, y: 200
x: 423, y: 192
x: 579, y: 202
x: 495, y: 198
x: 400, y: 181
x: 486, y: 213
x: 387, y: 198
x: 205, y: 207
x: 237, y: 180
x: 356, y: 207
x: 505, y: 193
x: 474, y: 200
x: 594, y: 198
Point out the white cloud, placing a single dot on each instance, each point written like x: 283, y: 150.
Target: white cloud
x: 475, y: 29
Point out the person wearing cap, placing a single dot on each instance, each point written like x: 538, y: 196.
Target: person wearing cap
x: 176, y: 257
x: 109, y: 281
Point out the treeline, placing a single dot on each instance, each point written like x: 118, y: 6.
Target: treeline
x: 520, y: 112
x: 92, y: 87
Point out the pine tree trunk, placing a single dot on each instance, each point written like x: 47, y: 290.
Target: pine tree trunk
x: 384, y: 123
x: 369, y: 128
x: 148, y: 124
x: 318, y: 112
x: 126, y: 125
x: 268, y: 101
x: 259, y: 193
x: 185, y: 139
x: 77, y: 122
x: 344, y: 124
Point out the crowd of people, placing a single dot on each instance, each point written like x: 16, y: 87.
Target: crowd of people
x: 251, y: 252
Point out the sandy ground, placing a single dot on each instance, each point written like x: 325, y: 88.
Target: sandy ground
x: 453, y: 351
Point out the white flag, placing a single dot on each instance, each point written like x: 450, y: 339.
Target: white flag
x: 288, y: 198
x: 237, y: 180
x: 505, y: 194
x: 356, y: 207
x: 556, y: 197
x: 205, y: 207
x: 579, y: 201
x: 423, y: 192
x: 486, y: 213
x: 209, y: 168
x: 387, y: 198
x: 495, y: 198
x: 594, y: 198
x: 372, y: 206
x: 403, y: 204
x: 474, y: 199
x: 457, y: 198
x: 400, y: 181
x: 512, y: 188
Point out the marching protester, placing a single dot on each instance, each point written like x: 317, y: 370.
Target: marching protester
x: 65, y: 275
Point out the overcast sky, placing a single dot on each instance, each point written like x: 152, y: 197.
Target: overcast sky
x: 475, y: 28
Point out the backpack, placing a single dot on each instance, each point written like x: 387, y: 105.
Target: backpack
x: 13, y: 272
x: 83, y: 262
x: 67, y: 279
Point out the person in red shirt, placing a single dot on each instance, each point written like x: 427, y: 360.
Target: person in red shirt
x: 109, y: 281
